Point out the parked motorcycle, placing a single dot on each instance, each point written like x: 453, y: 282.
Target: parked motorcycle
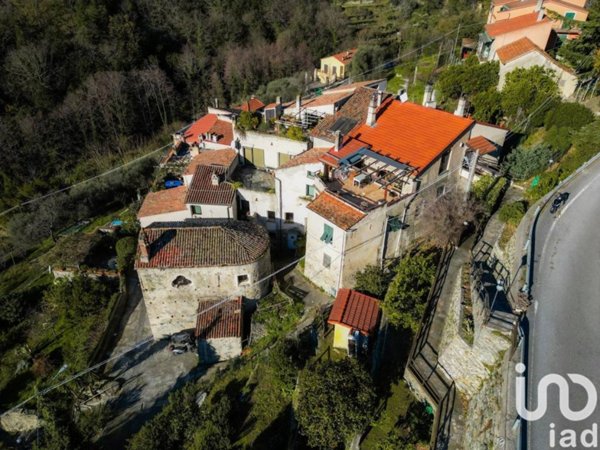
x: 559, y: 200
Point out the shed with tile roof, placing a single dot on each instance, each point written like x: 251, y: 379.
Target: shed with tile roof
x: 219, y: 330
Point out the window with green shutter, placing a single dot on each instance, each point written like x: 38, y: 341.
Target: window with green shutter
x: 310, y: 190
x: 196, y: 210
x: 327, y: 235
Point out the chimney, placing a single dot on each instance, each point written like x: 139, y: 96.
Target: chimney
x: 338, y: 140
x: 278, y: 100
x: 298, y: 103
x: 379, y: 97
x: 541, y: 12
x: 539, y: 5
x: 214, y: 179
x: 144, y: 247
x: 427, y: 95
x: 402, y: 95
x: 216, y: 102
x: 461, y: 109
x: 371, y: 111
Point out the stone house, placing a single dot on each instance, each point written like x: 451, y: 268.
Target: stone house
x: 355, y: 317
x: 335, y: 67
x: 402, y: 156
x: 535, y: 26
x: 182, y: 264
x: 524, y: 54
x: 219, y: 330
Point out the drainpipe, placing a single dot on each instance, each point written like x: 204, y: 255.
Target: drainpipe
x: 280, y: 221
x: 339, y: 284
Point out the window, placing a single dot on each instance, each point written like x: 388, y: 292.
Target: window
x: 242, y: 279
x: 325, y: 68
x: 310, y: 174
x: 289, y: 217
x: 334, y: 70
x: 180, y: 281
x: 310, y: 190
x: 196, y: 210
x: 271, y: 215
x: 327, y: 235
x: 444, y: 160
x: 441, y: 190
x: 326, y: 261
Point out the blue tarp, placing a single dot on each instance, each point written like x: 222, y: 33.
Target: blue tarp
x: 173, y: 183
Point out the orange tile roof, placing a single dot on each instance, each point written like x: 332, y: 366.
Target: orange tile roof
x: 218, y: 319
x: 355, y: 310
x: 523, y: 46
x: 222, y: 157
x: 517, y: 23
x: 482, y: 144
x: 251, y: 105
x: 520, y: 4
x: 311, y: 156
x: 210, y: 123
x: 203, y: 192
x: 565, y: 5
x: 345, y: 57
x: 335, y: 210
x: 408, y: 133
x: 163, y: 202
x: 515, y: 49
x: 353, y: 86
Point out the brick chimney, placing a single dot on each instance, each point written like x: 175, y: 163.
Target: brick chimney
x: 144, y: 247
x: 427, y: 95
x: 461, y: 108
x: 371, y: 116
x: 215, y: 179
x: 379, y: 98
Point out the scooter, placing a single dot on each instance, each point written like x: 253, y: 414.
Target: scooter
x: 558, y: 201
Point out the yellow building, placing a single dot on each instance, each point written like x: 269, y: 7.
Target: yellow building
x: 355, y: 317
x: 335, y: 67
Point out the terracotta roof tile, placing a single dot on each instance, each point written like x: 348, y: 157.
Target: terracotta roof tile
x: 251, y: 105
x: 517, y: 23
x: 355, y: 310
x: 345, y: 57
x: 354, y: 110
x: 203, y: 243
x: 515, y: 49
x: 203, y: 192
x: 311, y: 156
x: 210, y: 123
x: 408, y: 133
x: 335, y: 210
x: 222, y: 157
x: 482, y: 144
x: 218, y: 319
x: 564, y: 4
x: 162, y: 202
x: 354, y: 86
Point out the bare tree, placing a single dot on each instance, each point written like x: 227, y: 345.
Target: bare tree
x: 443, y: 219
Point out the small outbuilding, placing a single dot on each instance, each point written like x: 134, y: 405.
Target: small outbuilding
x: 355, y: 317
x: 219, y: 330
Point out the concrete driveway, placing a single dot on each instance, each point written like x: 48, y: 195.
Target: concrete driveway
x: 564, y: 318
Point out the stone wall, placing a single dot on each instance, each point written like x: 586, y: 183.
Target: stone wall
x: 212, y: 351
x: 172, y: 309
x: 470, y: 365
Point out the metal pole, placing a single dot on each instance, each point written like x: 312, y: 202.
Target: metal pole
x: 455, y: 43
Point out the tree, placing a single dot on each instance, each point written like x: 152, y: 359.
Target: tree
x: 78, y: 297
x: 526, y: 92
x: 487, y: 105
x: 443, y: 218
x: 525, y: 162
x: 335, y: 402
x: 512, y: 213
x: 295, y: 133
x: 372, y: 281
x: 405, y: 301
x: 367, y: 62
x: 12, y: 309
x: 569, y: 115
x: 580, y: 52
x: 214, y: 430
x: 247, y: 121
x: 469, y: 78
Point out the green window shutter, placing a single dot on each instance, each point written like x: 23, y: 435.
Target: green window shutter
x: 327, y: 235
x: 196, y: 210
x: 283, y: 158
x: 570, y: 15
x: 310, y: 190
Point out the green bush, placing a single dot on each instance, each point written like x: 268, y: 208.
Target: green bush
x: 569, y: 115
x: 524, y: 162
x: 547, y: 182
x: 125, y: 248
x: 12, y: 309
x: 469, y: 78
x: 295, y: 133
x: 559, y: 140
x: 512, y: 213
x: 372, y: 281
x: 487, y: 190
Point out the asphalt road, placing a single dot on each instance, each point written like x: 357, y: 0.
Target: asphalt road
x: 565, y: 318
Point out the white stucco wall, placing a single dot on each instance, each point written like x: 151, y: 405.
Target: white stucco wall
x: 567, y: 82
x: 293, y: 192
x: 177, y: 216
x: 212, y: 351
x: 171, y: 309
x: 495, y: 134
x: 215, y: 211
x: 272, y: 145
x: 261, y: 202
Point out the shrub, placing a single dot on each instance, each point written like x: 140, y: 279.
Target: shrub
x: 12, y: 309
x: 125, y: 248
x: 559, y: 140
x: 371, y: 281
x: 524, y: 162
x: 295, y: 133
x: 569, y: 115
x: 512, y: 213
x: 247, y: 121
x: 547, y: 182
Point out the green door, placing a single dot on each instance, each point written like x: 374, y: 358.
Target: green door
x: 283, y: 158
x: 255, y: 156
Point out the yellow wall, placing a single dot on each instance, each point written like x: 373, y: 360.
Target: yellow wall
x: 340, y: 337
x: 326, y: 76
